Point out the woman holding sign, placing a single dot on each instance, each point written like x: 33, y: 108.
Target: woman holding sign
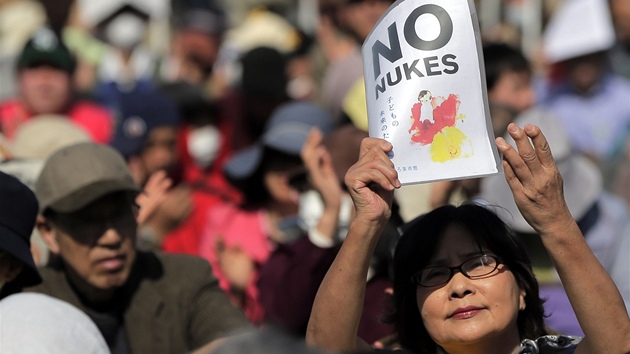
x: 463, y: 281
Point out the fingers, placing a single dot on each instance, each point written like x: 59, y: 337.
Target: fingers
x: 313, y: 140
x: 533, y: 158
x: 373, y: 166
x: 541, y: 145
x: 524, y: 162
x: 368, y: 144
x: 153, y: 195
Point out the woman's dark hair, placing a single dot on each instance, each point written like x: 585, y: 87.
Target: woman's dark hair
x: 253, y: 187
x: 419, y: 242
x: 500, y: 59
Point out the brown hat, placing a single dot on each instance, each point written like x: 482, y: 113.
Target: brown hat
x: 77, y: 175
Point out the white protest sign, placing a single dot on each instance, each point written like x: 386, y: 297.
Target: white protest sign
x: 426, y: 93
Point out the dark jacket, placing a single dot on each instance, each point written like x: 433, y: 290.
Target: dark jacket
x: 173, y: 303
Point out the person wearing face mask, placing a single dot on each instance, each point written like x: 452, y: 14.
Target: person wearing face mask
x: 343, y: 145
x: 147, y: 137
x: 259, y: 246
x: 202, y: 150
x: 127, y: 64
x: 18, y: 210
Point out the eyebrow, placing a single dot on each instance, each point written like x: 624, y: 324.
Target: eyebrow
x: 443, y: 261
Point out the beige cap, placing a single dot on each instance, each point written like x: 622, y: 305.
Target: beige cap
x: 77, y: 175
x: 41, y: 136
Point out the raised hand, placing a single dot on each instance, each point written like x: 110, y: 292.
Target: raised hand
x: 153, y: 195
x: 320, y: 170
x: 372, y: 180
x: 534, y: 179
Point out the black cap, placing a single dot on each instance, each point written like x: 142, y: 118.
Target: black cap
x: 18, y: 210
x: 46, y: 47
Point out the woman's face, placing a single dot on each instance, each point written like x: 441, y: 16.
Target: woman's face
x: 467, y: 311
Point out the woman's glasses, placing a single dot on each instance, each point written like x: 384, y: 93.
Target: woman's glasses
x: 472, y: 268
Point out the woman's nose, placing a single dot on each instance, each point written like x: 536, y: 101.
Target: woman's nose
x: 460, y: 286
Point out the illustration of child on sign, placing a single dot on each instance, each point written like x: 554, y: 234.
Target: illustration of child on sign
x: 433, y: 116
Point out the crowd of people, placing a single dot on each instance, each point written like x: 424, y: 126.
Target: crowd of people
x: 173, y: 180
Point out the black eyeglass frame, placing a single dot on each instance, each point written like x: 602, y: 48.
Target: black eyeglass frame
x: 415, y: 279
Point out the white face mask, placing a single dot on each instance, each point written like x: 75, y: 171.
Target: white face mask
x: 312, y: 207
x: 126, y: 31
x: 204, y: 144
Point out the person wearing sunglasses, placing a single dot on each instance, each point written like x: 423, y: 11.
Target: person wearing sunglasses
x: 463, y: 282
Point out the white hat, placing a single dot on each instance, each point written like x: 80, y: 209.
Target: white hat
x: 93, y: 12
x: 38, y: 323
x: 582, y: 179
x: 578, y: 27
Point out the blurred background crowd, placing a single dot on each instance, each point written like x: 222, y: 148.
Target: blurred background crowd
x: 211, y: 104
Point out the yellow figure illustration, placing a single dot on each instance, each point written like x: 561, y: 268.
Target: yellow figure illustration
x: 447, y: 144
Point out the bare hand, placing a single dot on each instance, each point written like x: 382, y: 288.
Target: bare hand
x: 237, y: 267
x: 174, y: 208
x: 152, y: 196
x: 320, y: 170
x: 372, y: 180
x: 534, y: 179
x: 323, y: 178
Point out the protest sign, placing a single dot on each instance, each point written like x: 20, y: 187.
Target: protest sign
x: 426, y: 92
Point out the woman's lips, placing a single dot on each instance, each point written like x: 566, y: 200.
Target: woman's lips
x: 465, y: 312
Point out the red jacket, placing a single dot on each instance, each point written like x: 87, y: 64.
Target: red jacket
x: 93, y: 118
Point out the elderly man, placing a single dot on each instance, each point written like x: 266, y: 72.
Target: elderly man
x: 18, y: 209
x: 141, y: 302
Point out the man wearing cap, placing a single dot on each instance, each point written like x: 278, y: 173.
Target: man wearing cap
x: 44, y: 74
x: 147, y: 138
x: 18, y: 209
x: 141, y: 302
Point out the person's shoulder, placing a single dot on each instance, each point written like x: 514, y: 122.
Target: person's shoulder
x: 9, y: 102
x: 86, y: 107
x: 180, y: 268
x: 54, y: 283
x: 618, y: 81
x: 165, y: 269
x: 9, y: 107
x: 175, y: 260
x: 51, y: 273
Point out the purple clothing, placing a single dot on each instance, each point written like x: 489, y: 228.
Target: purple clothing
x: 597, y: 124
x: 289, y: 280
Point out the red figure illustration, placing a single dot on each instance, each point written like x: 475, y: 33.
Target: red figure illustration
x: 430, y: 115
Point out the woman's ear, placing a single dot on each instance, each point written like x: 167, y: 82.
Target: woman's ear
x: 521, y: 300
x: 48, y: 233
